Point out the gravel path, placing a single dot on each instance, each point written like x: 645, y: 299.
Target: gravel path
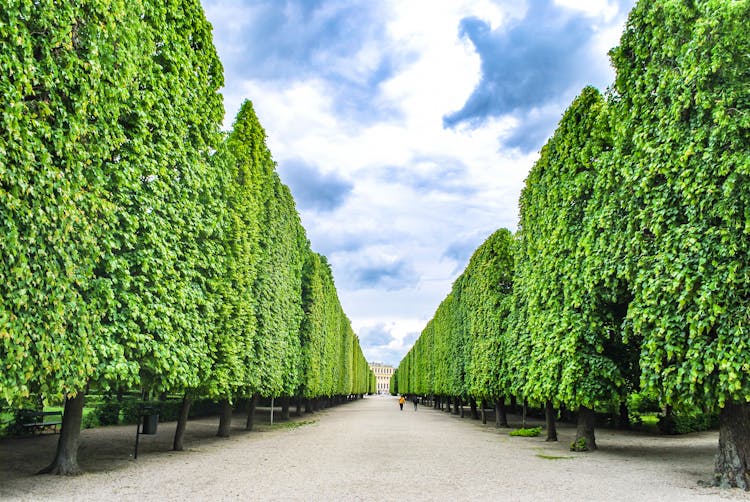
x: 366, y: 450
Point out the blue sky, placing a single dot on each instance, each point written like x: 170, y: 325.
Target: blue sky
x: 405, y: 129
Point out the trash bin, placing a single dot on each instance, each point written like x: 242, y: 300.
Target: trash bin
x: 149, y: 423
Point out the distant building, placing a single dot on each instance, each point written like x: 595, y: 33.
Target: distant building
x: 383, y: 374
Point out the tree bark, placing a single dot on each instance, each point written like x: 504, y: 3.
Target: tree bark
x: 251, y: 405
x: 225, y: 419
x: 549, y: 413
x: 733, y: 461
x: 179, y: 432
x: 299, y: 406
x: 624, y: 418
x: 65, y: 462
x: 501, y: 418
x: 473, y: 406
x: 585, y: 440
x: 513, y: 404
x: 483, y: 405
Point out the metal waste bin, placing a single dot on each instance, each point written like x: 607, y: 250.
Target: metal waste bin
x: 149, y: 423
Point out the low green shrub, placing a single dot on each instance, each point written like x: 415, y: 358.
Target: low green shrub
x: 108, y: 413
x: 529, y: 432
x: 678, y: 423
x: 89, y: 421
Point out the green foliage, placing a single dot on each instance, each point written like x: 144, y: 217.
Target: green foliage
x: 567, y: 325
x: 529, y: 432
x: 685, y: 422
x: 461, y: 350
x: 108, y: 413
x: 67, y: 75
x: 631, y: 269
x: 579, y: 445
x: 159, y: 309
x: 140, y: 250
x: 90, y: 421
x: 683, y: 73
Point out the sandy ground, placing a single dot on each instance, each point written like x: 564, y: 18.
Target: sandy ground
x: 366, y: 450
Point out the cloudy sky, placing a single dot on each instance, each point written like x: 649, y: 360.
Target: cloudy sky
x: 405, y: 128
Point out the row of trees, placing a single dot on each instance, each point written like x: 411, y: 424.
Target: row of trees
x: 141, y: 247
x: 630, y: 270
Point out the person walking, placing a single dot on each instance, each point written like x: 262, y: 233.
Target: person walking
x: 401, y: 402
x: 415, y: 400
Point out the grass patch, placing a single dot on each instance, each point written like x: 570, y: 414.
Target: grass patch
x: 294, y: 425
x: 283, y: 425
x: 529, y: 432
x: 551, y: 457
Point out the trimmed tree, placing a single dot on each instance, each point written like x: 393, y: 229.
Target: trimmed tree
x: 683, y: 95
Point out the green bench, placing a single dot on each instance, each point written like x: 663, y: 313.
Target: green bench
x: 33, y: 421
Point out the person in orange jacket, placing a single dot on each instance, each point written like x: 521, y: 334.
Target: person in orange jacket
x: 401, y: 402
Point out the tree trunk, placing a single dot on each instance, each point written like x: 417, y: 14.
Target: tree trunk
x: 585, y: 440
x: 299, y: 406
x: 523, y: 413
x: 501, y: 418
x: 483, y: 405
x: 285, y: 408
x: 225, y: 418
x: 624, y: 418
x: 549, y: 413
x: 474, y: 412
x: 513, y: 404
x: 308, y: 406
x: 251, y: 405
x: 65, y: 462
x: 733, y: 461
x: 179, y: 433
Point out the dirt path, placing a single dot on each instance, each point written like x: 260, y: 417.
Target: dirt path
x: 366, y: 450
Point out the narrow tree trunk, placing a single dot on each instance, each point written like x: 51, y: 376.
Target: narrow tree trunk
x: 624, y: 419
x: 308, y: 406
x: 549, y: 413
x: 458, y: 406
x: 299, y: 406
x: 513, y: 404
x: 585, y: 440
x: 65, y: 462
x: 225, y: 419
x: 251, y: 405
x: 733, y: 461
x: 523, y: 413
x: 473, y: 406
x: 285, y: 408
x: 179, y: 433
x: 483, y: 404
x: 501, y: 418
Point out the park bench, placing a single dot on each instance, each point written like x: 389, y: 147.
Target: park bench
x: 33, y: 421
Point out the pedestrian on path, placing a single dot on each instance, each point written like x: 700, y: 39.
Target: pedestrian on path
x: 401, y: 402
x: 415, y: 400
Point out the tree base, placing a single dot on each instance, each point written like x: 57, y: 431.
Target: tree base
x: 732, y: 468
x: 62, y: 469
x: 585, y: 439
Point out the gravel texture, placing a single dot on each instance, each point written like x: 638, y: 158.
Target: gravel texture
x: 366, y: 450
